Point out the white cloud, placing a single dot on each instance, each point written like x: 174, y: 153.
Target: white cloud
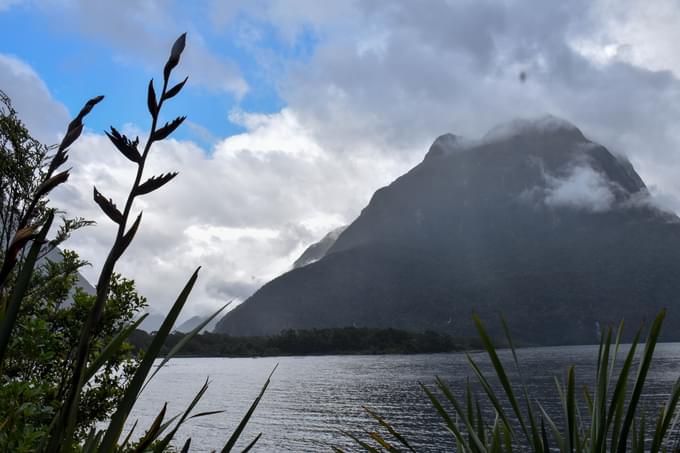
x: 581, y: 188
x: 45, y: 117
x: 391, y: 76
x: 245, y: 211
x: 384, y: 79
x: 639, y: 32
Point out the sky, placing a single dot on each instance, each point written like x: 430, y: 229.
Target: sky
x: 298, y: 110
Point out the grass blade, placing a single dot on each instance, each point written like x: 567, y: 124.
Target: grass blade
x: 23, y: 279
x: 389, y: 428
x: 489, y: 392
x: 120, y: 416
x: 152, y: 433
x: 476, y: 441
x: 111, y: 348
x: 360, y: 442
x: 162, y: 445
x: 640, y: 380
x: 666, y: 417
x: 445, y: 415
x: 239, y: 429
x: 537, y: 443
x: 180, y: 344
x: 500, y: 372
x: 252, y: 444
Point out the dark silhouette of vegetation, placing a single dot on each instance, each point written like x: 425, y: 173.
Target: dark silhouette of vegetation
x: 348, y: 340
x: 607, y: 418
x: 74, y: 368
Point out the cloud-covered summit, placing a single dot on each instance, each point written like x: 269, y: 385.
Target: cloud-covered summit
x: 303, y: 109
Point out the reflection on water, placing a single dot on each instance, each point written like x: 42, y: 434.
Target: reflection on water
x: 311, y: 398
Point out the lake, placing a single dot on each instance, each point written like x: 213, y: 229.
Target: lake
x: 310, y: 399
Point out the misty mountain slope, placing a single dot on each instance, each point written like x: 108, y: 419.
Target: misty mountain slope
x: 318, y: 250
x: 193, y: 322
x: 533, y: 221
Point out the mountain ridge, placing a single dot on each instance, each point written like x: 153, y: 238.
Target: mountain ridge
x: 533, y: 220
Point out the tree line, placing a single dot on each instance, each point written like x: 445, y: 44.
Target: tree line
x: 343, y: 340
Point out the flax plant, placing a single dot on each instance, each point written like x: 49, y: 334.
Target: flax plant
x: 31, y: 233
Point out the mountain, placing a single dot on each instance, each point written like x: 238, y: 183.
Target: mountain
x: 152, y: 322
x: 534, y: 221
x: 55, y: 256
x: 193, y: 322
x: 318, y: 250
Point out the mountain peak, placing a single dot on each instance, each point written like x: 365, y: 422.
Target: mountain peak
x: 530, y: 128
x: 444, y: 144
x: 543, y: 125
x: 533, y: 221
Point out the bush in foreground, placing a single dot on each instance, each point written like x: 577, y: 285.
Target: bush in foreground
x: 62, y: 424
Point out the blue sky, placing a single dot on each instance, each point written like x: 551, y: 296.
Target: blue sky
x: 299, y: 110
x: 75, y: 67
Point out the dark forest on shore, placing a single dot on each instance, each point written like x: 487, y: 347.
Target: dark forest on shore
x: 347, y: 340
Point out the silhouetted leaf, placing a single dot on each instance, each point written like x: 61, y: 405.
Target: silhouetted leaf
x: 129, y: 435
x: 127, y: 147
x: 163, y: 443
x: 111, y: 348
x: 21, y: 238
x: 58, y: 160
x: 75, y: 128
x: 205, y: 414
x: 71, y: 136
x: 123, y: 408
x: 389, y: 428
x: 168, y: 128
x: 178, y: 46
x: 154, y: 183
x: 51, y: 183
x: 152, y: 433
x: 252, y: 444
x: 20, y: 287
x: 244, y: 421
x: 175, y: 53
x: 108, y: 207
x: 176, y: 89
x: 643, y: 368
x: 127, y: 237
x: 151, y: 100
x: 186, y: 339
x: 84, y: 111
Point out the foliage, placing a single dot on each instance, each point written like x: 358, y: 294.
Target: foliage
x: 48, y: 325
x: 22, y: 168
x: 101, y: 323
x: 26, y: 178
x: 613, y: 418
x: 347, y: 340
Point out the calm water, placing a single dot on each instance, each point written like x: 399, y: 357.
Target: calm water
x: 311, y: 398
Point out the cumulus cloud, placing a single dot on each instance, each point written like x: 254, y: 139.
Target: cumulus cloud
x: 244, y: 211
x: 43, y: 115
